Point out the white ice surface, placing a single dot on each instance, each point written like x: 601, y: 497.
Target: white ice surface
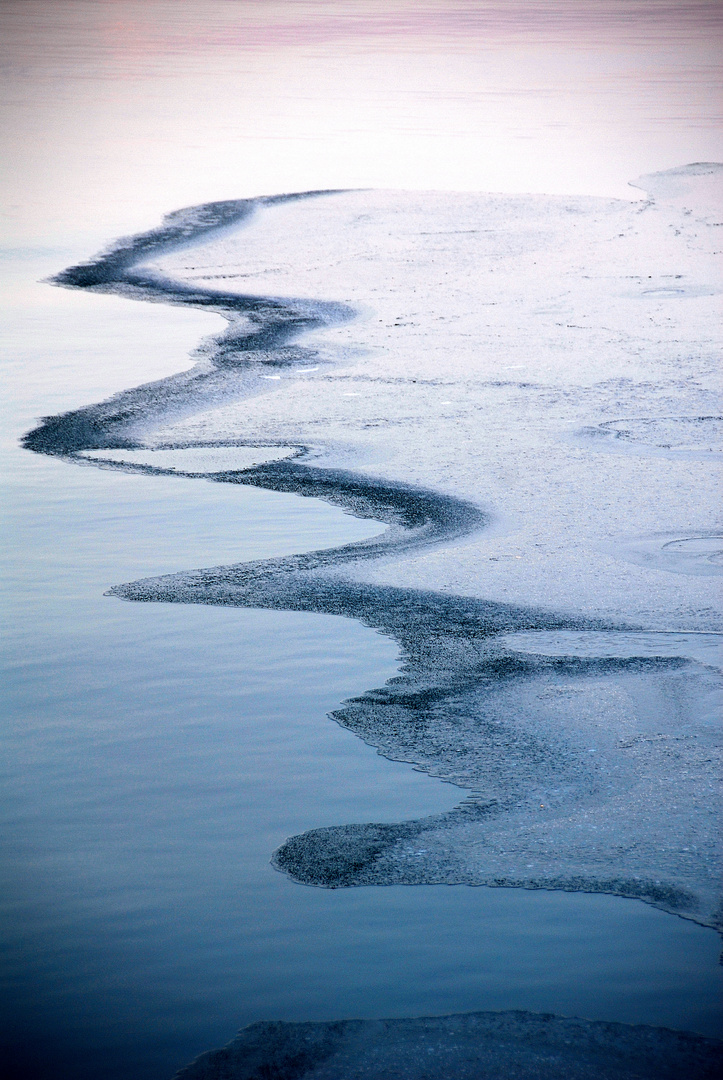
x: 494, y: 336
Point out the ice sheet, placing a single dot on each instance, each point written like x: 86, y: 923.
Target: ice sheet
x: 458, y: 367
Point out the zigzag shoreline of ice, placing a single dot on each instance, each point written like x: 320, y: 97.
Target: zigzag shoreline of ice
x: 464, y: 707
x: 258, y: 324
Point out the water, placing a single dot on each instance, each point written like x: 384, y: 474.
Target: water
x: 116, y: 111
x: 154, y: 756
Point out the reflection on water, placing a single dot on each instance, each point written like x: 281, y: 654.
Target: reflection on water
x: 121, y: 110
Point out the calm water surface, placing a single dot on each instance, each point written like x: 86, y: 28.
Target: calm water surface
x: 154, y: 756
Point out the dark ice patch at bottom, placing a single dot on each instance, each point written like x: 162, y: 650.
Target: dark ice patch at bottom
x: 513, y: 1045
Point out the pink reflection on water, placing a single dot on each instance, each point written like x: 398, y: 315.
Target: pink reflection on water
x: 116, y: 111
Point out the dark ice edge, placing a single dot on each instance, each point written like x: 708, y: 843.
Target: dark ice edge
x: 447, y: 642
x: 512, y: 1043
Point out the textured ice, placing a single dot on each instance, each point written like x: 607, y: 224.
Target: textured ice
x: 459, y: 367
x: 700, y: 555
x: 469, y: 1046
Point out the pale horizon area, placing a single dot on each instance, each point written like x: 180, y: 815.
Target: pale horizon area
x: 116, y: 112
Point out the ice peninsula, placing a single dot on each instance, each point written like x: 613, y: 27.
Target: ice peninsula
x: 525, y: 389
